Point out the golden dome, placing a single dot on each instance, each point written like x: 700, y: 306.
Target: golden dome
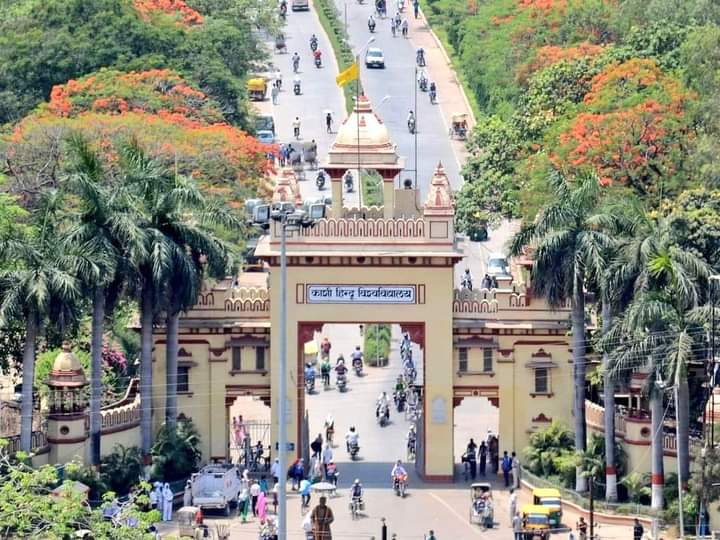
x: 67, y: 370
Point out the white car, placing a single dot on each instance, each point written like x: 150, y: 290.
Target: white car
x: 498, y: 265
x: 374, y: 57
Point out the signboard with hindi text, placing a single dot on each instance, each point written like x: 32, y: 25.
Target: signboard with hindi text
x: 361, y: 294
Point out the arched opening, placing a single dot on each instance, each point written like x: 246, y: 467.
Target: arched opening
x: 477, y: 417
x: 249, y: 424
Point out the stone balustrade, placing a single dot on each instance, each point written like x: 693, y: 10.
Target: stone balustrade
x: 38, y: 443
x: 502, y: 303
x: 125, y: 413
x: 415, y: 229
x: 248, y: 302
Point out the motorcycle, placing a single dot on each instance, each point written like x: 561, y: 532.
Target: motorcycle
x: 420, y: 59
x: 467, y: 284
x: 383, y: 416
x: 348, y: 182
x: 296, y: 64
x: 342, y: 382
x: 313, y: 44
x: 296, y: 88
x: 400, y: 485
x: 400, y: 400
x: 358, y: 368
x: 371, y: 26
x: 318, y: 62
x: 423, y: 83
x: 320, y: 180
x: 310, y: 385
x: 354, y: 449
x: 329, y: 432
x: 411, y: 126
x: 355, y: 506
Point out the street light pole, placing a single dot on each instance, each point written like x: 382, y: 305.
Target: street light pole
x: 416, y: 127
x: 282, y: 388
x: 711, y: 382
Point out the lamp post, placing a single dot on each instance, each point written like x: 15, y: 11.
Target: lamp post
x: 415, y: 136
x: 711, y: 386
x: 357, y: 115
x: 288, y: 218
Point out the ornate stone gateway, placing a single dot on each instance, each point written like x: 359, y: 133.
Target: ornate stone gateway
x: 393, y: 264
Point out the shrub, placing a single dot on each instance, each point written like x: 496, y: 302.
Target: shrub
x: 122, y: 468
x: 176, y: 454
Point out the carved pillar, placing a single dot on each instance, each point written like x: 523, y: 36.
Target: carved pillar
x: 336, y: 186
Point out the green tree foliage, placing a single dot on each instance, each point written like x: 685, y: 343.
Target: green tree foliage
x: 48, y: 42
x: 546, y: 446
x: 122, y: 468
x: 176, y: 453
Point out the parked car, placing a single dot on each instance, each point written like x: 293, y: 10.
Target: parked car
x: 498, y: 265
x: 374, y: 57
x: 216, y: 487
x: 300, y: 5
x: 266, y: 136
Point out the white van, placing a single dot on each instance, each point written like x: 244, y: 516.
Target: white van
x: 216, y: 487
x: 300, y: 5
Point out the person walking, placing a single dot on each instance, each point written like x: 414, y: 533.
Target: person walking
x: 261, y: 506
x: 167, y: 502
x: 416, y: 8
x: 316, y: 446
x: 482, y: 451
x: 513, y: 504
x: 431, y: 535
x: 506, y: 468
x: 471, y: 457
x: 274, y: 93
x: 517, y: 526
x: 515, y: 471
x: 638, y: 530
x: 328, y: 121
x: 327, y: 457
x: 296, y: 127
x: 255, y: 492
x: 275, y: 471
x: 322, y: 517
x: 187, y: 494
x: 582, y: 528
x: 243, y: 504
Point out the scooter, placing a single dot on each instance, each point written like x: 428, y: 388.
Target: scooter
x: 342, y: 382
x: 320, y: 181
x: 348, y: 182
x: 358, y: 368
x: 371, y: 27
x: 411, y: 126
x: 420, y: 59
x: 383, y: 416
x: 296, y: 65
x: 318, y: 62
x: 400, y: 400
x: 313, y: 44
x: 296, y: 88
x: 400, y: 485
x: 423, y: 83
x: 310, y: 385
x: 354, y: 449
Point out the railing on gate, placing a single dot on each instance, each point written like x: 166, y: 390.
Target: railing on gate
x: 248, y: 450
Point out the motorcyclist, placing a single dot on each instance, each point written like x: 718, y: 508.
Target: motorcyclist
x: 320, y: 179
x: 348, y: 181
x: 340, y: 367
x: 411, y: 121
x: 382, y: 402
x: 313, y: 41
x: 393, y: 26
x: 296, y: 62
x: 420, y: 56
x: 398, y: 472
x: 309, y: 373
x: 317, y: 55
x: 411, y: 436
x: 399, y: 385
x: 433, y: 91
x: 332, y: 473
x: 404, y: 27
x: 371, y: 23
x: 325, y: 368
x: 329, y: 427
x: 467, y: 280
x: 352, y: 438
x: 356, y: 491
x: 422, y: 79
x: 357, y: 357
x: 325, y: 347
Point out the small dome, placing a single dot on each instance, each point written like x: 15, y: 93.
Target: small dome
x: 67, y: 370
x: 363, y: 125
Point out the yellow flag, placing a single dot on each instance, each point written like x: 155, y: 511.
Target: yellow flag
x: 350, y: 74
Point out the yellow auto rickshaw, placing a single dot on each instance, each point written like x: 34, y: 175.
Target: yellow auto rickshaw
x: 551, y: 498
x: 190, y: 523
x: 310, y: 350
x: 257, y: 89
x: 535, y: 522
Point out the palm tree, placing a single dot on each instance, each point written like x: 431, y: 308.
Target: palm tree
x: 104, y: 229
x: 36, y: 281
x: 659, y: 330
x: 569, y: 250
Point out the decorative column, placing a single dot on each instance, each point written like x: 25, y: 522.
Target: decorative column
x: 336, y: 186
x: 67, y: 430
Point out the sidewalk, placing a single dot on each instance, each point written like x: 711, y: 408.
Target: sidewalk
x: 451, y: 98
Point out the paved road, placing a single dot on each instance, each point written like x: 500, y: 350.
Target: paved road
x: 397, y: 80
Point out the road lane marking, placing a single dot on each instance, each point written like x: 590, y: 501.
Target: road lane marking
x: 475, y: 530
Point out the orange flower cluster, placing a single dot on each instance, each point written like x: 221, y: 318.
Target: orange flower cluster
x: 551, y: 54
x: 544, y: 6
x: 626, y: 147
x: 632, y: 76
x: 497, y: 21
x: 186, y: 15
x: 60, y: 95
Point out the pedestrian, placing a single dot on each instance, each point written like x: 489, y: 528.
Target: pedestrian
x: 156, y: 497
x: 275, y: 471
x: 517, y: 526
x: 263, y: 484
x: 506, y: 468
x: 316, y: 446
x: 483, y: 450
x: 472, y: 458
x: 261, y: 506
x: 582, y: 528
x: 305, y: 490
x: 513, y: 503
x: 274, y: 93
x: 254, y: 494
x: 167, y: 500
x: 515, y: 471
x: 493, y: 282
x: 278, y: 78
x: 571, y: 535
x: 322, y: 517
x: 416, y: 8
x: 187, y: 495
x: 637, y: 530
x: 243, y: 504
x: 431, y: 535
x: 327, y: 457
x: 296, y: 127
x: 328, y: 121
x: 275, y: 499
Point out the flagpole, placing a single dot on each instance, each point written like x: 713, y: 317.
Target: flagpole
x: 357, y: 121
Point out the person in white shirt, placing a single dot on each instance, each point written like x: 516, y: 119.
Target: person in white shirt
x: 351, y: 438
x: 398, y: 470
x: 275, y: 470
x: 327, y: 457
x: 254, y: 494
x: 167, y: 499
x: 513, y: 503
